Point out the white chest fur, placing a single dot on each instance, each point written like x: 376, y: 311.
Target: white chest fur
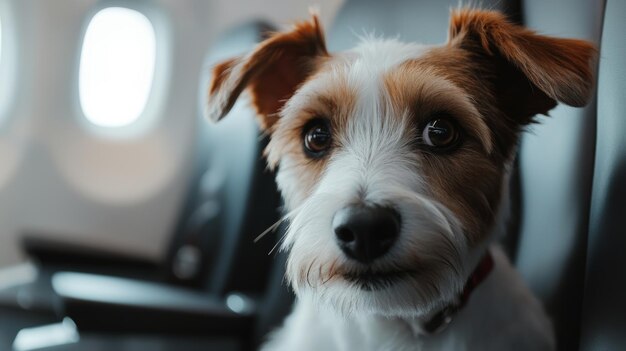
x: 502, y: 314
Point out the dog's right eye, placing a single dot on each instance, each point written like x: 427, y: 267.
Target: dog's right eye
x: 317, y: 137
x: 440, y: 133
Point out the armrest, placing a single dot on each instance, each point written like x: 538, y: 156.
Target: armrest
x: 98, y: 303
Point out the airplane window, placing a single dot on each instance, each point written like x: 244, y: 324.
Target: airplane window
x: 116, y: 66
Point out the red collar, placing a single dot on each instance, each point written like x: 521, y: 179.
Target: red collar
x: 442, y: 318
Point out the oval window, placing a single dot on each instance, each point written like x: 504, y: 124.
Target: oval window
x: 116, y: 67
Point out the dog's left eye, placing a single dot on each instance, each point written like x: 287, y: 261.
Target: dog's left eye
x: 440, y: 133
x: 317, y: 137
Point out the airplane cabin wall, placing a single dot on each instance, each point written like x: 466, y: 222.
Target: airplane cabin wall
x: 116, y: 189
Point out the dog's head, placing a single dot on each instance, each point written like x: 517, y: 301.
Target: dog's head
x: 392, y: 158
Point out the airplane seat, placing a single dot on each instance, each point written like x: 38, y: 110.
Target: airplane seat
x: 214, y: 283
x: 556, y: 171
x: 604, y: 307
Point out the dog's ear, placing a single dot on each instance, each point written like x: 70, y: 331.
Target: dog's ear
x: 535, y: 70
x: 272, y: 72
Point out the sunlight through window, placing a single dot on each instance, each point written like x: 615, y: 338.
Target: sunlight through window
x: 116, y: 67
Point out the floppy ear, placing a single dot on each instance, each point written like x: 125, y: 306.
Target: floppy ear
x: 544, y: 69
x: 272, y: 72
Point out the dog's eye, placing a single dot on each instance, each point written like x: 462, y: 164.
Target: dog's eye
x: 440, y: 133
x: 317, y: 137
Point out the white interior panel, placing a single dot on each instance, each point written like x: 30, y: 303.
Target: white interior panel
x: 117, y: 186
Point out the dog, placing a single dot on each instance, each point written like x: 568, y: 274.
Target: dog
x: 394, y: 161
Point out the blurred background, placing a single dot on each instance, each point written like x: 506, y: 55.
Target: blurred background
x: 127, y: 222
x: 99, y: 103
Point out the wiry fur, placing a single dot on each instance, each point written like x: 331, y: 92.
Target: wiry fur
x: 492, y: 77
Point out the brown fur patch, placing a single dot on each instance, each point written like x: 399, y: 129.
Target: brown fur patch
x: 335, y: 102
x: 272, y: 72
x: 220, y: 72
x: 416, y: 89
x: 510, y: 74
x: 333, y: 99
x: 561, y: 68
x: 467, y: 180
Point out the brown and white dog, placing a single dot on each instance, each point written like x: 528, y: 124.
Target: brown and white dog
x: 393, y: 160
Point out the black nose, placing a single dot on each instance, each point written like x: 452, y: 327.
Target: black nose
x: 365, y: 233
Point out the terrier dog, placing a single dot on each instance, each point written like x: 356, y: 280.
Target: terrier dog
x: 393, y: 160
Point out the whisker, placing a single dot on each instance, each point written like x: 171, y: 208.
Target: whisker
x: 308, y: 272
x: 282, y: 238
x: 269, y: 229
x: 275, y: 225
x: 332, y: 272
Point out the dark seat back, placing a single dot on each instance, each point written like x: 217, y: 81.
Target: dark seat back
x: 604, y: 308
x: 556, y: 170
x: 232, y: 198
x: 233, y: 174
